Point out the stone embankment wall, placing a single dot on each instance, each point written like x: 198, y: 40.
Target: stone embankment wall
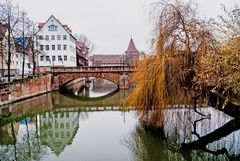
x: 25, y: 88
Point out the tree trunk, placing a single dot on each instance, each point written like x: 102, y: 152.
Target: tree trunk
x: 9, y: 54
x: 33, y: 59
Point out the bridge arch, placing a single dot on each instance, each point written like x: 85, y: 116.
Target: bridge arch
x: 120, y: 76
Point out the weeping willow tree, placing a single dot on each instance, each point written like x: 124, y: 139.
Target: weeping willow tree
x: 161, y: 79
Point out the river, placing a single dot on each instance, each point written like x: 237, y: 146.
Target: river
x: 57, y: 127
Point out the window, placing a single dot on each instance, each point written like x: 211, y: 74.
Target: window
x: 67, y: 125
x: 47, y: 58
x: 53, y: 37
x: 62, y: 134
x: 53, y: 47
x: 53, y: 58
x: 46, y: 37
x: 64, y: 37
x: 59, y: 47
x: 41, y: 58
x: 50, y: 115
x: 47, y: 47
x: 50, y: 134
x: 59, y: 58
x: 56, y: 125
x: 41, y: 47
x: 58, y: 37
x: 40, y: 37
x: 52, y: 28
x: 65, y: 58
x: 64, y: 47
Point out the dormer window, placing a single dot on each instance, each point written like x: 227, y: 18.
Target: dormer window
x: 52, y: 28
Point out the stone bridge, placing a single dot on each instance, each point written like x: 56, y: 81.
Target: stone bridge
x: 120, y: 75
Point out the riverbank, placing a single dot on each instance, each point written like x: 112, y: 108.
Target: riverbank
x: 26, y: 88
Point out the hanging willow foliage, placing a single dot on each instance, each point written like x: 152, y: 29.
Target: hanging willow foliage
x: 161, y: 79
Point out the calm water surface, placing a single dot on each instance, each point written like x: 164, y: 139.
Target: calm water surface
x: 56, y: 127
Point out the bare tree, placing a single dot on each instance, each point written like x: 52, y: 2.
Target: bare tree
x: 25, y: 36
x: 9, y: 14
x: 34, y: 46
x: 84, y: 39
x: 221, y: 66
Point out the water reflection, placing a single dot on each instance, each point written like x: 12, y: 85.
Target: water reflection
x: 94, y: 87
x: 187, y: 136
x: 23, y: 144
x: 55, y: 127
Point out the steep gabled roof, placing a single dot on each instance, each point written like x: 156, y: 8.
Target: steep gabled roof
x: 131, y: 47
x: 66, y: 28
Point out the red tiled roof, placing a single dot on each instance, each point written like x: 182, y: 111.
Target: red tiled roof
x: 107, y: 58
x: 131, y: 47
x: 41, y: 24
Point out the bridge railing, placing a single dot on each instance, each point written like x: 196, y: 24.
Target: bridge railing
x: 93, y: 68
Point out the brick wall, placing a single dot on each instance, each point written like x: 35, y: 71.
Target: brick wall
x: 25, y: 89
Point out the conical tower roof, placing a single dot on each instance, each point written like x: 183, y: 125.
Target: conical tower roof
x: 131, y: 47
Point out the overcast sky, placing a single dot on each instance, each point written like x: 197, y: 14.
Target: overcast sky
x: 108, y: 23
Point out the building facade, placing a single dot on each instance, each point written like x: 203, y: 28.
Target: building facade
x: 4, y: 48
x: 56, y: 44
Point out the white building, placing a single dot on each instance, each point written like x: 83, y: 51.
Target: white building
x: 57, y: 44
x: 15, y: 64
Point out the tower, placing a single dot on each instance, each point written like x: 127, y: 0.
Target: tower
x: 131, y: 54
